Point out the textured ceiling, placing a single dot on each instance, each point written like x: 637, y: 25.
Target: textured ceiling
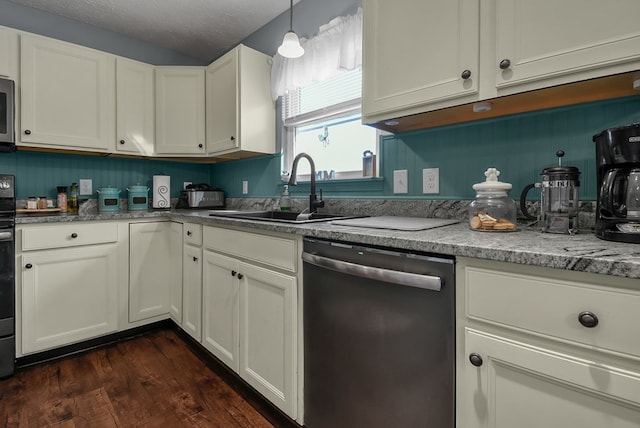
x: 202, y: 29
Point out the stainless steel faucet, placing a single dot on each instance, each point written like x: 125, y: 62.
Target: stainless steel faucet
x: 314, y: 203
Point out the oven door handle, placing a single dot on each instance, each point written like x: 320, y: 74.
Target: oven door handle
x: 426, y: 282
x: 6, y: 236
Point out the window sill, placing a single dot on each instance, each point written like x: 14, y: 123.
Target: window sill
x: 352, y: 187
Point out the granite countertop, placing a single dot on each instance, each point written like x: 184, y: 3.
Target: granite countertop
x: 582, y: 252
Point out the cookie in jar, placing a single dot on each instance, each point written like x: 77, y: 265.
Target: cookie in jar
x: 492, y: 210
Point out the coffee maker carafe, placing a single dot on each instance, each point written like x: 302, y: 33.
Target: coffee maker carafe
x: 558, y: 198
x: 618, y: 205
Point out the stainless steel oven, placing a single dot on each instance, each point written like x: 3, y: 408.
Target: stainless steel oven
x: 379, y: 339
x: 7, y: 115
x: 7, y: 275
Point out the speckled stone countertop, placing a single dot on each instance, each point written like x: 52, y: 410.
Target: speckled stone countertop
x: 582, y: 252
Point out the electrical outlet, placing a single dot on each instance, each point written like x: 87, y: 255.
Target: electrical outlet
x: 431, y: 180
x: 86, y: 186
x: 185, y: 184
x: 245, y: 187
x: 400, y: 184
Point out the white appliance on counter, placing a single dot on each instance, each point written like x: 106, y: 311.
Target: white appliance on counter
x: 161, y: 192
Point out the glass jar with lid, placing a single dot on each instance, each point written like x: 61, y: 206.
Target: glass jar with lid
x: 492, y: 210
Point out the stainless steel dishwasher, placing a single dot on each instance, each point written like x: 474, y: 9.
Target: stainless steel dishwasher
x: 379, y: 337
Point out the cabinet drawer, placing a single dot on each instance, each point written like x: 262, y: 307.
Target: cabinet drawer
x: 552, y: 307
x: 56, y: 236
x: 192, y: 234
x: 270, y: 250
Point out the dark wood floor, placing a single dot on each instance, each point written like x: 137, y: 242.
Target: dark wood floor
x: 153, y: 380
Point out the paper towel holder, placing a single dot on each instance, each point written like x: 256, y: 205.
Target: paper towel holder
x: 161, y: 192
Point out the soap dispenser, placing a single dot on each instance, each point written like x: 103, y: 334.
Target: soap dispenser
x: 285, y: 201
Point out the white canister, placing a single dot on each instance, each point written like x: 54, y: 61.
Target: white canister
x: 161, y: 192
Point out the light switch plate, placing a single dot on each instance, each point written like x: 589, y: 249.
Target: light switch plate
x: 245, y: 187
x: 86, y: 186
x: 431, y: 180
x: 185, y: 184
x: 400, y: 184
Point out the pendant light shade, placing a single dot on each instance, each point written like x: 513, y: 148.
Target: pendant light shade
x: 290, y: 47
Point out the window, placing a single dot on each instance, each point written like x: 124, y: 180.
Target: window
x: 324, y: 120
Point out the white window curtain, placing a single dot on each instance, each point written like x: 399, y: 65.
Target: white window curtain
x: 336, y: 48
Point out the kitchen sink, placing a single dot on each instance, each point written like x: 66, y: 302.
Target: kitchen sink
x: 279, y: 216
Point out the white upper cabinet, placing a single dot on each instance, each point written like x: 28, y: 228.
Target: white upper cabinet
x: 548, y: 42
x: 180, y: 111
x: 240, y: 111
x: 8, y: 53
x: 67, y: 94
x: 420, y: 56
x: 135, y: 107
x: 417, y: 52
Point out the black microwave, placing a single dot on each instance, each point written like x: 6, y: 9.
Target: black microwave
x: 7, y: 115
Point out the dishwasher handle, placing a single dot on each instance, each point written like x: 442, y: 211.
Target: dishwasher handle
x: 426, y: 282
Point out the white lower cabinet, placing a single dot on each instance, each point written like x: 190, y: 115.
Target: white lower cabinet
x: 175, y: 260
x: 531, y: 353
x: 520, y: 385
x: 192, y: 280
x: 150, y: 270
x: 67, y: 285
x: 250, y: 311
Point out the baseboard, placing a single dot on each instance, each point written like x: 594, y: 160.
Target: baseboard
x: 88, y: 345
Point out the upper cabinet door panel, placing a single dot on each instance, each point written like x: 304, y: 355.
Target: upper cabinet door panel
x: 135, y: 107
x: 8, y: 53
x: 222, y: 104
x: 68, y: 95
x: 180, y: 110
x: 416, y: 52
x: 544, y: 39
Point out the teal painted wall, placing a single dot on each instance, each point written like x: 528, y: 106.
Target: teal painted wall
x: 38, y: 174
x: 520, y: 146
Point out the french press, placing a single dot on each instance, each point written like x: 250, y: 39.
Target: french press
x: 558, y: 198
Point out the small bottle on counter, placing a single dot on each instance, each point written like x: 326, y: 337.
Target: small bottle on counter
x: 42, y: 202
x: 285, y: 201
x: 62, y: 199
x: 72, y: 202
x: 32, y: 203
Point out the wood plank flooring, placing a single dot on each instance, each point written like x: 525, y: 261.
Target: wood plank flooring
x: 153, y: 380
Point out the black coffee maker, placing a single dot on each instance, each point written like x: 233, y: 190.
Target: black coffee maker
x: 618, y: 162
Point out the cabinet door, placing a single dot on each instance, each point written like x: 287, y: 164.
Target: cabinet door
x: 149, y: 270
x: 175, y: 286
x: 67, y: 94
x: 192, y: 291
x: 180, y: 110
x: 135, y: 107
x: 415, y: 52
x: 518, y: 385
x: 220, y: 307
x: 268, y: 334
x: 550, y: 42
x: 222, y: 104
x: 9, y: 53
x: 68, y: 296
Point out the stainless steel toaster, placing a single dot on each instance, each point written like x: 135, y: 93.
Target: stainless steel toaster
x: 201, y: 196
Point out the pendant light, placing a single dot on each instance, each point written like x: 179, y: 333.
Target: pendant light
x: 290, y: 47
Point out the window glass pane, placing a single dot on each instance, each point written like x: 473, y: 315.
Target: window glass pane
x: 336, y: 144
